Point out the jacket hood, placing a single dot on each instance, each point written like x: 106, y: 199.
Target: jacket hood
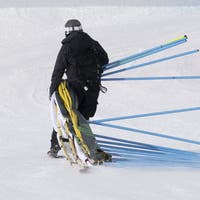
x: 74, y: 34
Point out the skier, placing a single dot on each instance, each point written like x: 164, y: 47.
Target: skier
x: 81, y: 58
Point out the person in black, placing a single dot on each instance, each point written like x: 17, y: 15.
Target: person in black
x: 81, y: 58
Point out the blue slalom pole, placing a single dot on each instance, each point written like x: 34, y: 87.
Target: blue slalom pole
x: 120, y: 144
x: 148, y: 133
x: 146, y: 115
x: 145, y: 53
x: 129, y: 150
x: 152, y: 78
x: 123, y: 142
x: 155, y: 158
x: 164, y: 150
x: 152, y: 62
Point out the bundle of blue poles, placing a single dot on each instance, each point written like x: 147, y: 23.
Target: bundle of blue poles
x: 134, y: 57
x: 146, y: 53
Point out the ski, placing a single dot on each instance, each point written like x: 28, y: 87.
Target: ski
x: 67, y: 143
x: 74, y: 134
x: 67, y: 136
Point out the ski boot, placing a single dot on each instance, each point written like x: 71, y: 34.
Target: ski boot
x: 102, y: 156
x: 53, y: 152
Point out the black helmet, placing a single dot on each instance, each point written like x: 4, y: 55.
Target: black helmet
x: 72, y: 25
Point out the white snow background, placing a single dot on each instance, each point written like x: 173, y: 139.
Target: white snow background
x: 30, y: 35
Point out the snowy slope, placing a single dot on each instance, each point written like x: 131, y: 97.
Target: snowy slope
x: 30, y: 40
x: 50, y: 3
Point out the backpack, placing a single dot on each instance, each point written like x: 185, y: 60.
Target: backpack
x: 84, y: 56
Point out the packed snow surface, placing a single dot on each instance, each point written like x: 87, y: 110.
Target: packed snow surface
x: 30, y: 37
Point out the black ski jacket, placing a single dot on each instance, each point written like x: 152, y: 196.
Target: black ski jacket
x: 80, y: 57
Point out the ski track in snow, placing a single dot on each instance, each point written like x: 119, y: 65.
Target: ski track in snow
x: 30, y: 40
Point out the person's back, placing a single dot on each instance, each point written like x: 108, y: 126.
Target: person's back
x: 82, y: 53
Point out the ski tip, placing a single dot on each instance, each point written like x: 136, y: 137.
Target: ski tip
x: 185, y: 36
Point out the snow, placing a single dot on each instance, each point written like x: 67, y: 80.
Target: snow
x: 30, y: 37
x: 52, y: 3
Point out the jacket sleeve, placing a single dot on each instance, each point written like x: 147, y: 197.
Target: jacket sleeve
x: 59, y: 69
x: 102, y: 56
